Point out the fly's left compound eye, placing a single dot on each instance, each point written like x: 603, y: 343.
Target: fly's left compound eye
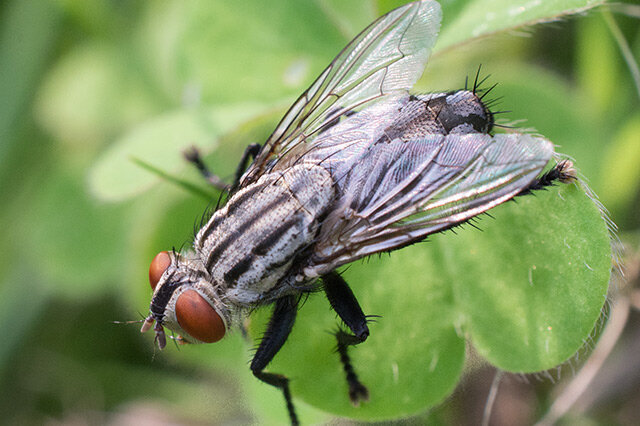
x: 159, y: 264
x: 198, y: 318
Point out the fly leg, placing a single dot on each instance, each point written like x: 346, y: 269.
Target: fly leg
x: 278, y: 329
x: 252, y: 150
x: 344, y: 302
x: 193, y: 156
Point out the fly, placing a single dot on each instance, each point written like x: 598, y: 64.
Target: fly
x: 357, y: 166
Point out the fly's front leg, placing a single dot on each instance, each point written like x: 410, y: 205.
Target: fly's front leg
x: 193, y: 156
x: 280, y: 325
x: 344, y: 302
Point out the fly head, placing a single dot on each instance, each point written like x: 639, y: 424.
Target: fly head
x: 184, y: 301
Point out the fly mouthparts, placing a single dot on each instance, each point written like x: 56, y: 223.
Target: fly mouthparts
x: 146, y: 325
x: 160, y: 336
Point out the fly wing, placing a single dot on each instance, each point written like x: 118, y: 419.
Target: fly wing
x: 402, y: 191
x: 383, y: 61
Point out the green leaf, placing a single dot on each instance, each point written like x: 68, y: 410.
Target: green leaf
x: 72, y: 241
x: 532, y: 286
x: 160, y: 143
x: 620, y: 174
x: 527, y: 291
x: 597, y: 55
x: 349, y: 17
x: 230, y: 51
x: 463, y: 21
x: 91, y: 93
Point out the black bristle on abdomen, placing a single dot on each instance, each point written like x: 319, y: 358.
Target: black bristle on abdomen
x: 562, y: 172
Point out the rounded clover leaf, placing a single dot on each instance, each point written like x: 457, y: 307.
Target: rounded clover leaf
x: 526, y: 290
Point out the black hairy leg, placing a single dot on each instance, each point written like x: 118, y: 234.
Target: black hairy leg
x: 250, y: 154
x: 193, y: 156
x: 278, y: 329
x: 562, y: 172
x: 346, y: 305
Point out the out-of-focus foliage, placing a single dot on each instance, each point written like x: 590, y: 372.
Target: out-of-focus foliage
x: 85, y: 85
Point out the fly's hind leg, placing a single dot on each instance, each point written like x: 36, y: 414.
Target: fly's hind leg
x: 344, y: 302
x: 357, y: 391
x: 193, y: 156
x: 278, y: 329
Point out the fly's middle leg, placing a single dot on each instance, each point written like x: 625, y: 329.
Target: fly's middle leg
x: 193, y: 156
x: 346, y: 305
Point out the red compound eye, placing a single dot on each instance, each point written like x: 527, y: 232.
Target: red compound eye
x: 159, y: 264
x: 198, y: 318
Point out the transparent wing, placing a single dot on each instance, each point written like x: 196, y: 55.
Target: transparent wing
x: 384, y: 60
x: 402, y: 191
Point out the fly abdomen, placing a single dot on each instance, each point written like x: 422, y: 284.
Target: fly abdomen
x: 249, y: 244
x: 458, y: 112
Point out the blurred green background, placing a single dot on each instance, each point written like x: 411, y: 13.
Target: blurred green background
x: 86, y: 87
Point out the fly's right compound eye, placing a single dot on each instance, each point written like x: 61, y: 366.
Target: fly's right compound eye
x: 198, y: 318
x: 159, y: 264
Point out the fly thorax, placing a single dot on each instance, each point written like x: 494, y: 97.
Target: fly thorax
x: 251, y: 243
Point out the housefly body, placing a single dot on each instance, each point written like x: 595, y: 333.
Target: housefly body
x: 357, y: 166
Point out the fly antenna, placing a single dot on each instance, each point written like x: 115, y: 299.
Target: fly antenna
x: 142, y: 319
x: 128, y: 322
